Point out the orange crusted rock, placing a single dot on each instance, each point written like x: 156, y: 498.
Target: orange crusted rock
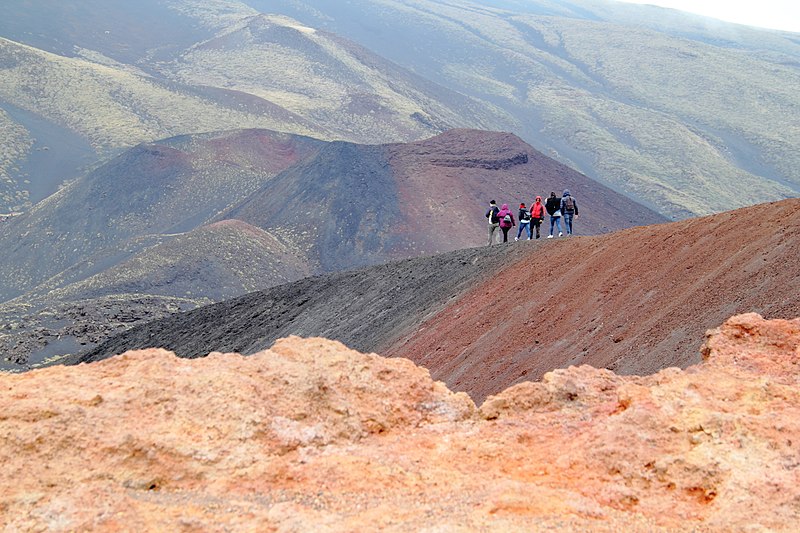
x: 311, y: 434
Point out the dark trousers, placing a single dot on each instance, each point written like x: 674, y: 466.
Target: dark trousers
x: 536, y: 223
x: 505, y: 233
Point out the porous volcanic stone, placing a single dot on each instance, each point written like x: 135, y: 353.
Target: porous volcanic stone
x: 313, y: 436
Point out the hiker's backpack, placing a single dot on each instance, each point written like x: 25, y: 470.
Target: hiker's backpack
x: 569, y: 204
x: 493, y: 215
x: 526, y: 216
x: 507, y: 218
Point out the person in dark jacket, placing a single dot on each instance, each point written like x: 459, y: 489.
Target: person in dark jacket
x: 506, y: 220
x: 537, y: 215
x: 524, y: 222
x: 553, y: 207
x: 494, y: 222
x: 569, y: 208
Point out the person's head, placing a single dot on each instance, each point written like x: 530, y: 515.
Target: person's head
x: 566, y: 192
x: 538, y: 199
x: 505, y: 206
x: 522, y: 206
x: 492, y: 203
x: 552, y: 194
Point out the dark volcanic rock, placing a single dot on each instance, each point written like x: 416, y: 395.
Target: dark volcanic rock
x: 31, y: 336
x: 209, y: 264
x: 366, y: 309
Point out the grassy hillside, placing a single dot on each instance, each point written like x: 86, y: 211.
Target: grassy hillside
x: 682, y: 114
x: 211, y: 263
x: 688, y: 116
x: 112, y: 107
x: 698, y: 126
x: 16, y: 142
x: 347, y: 92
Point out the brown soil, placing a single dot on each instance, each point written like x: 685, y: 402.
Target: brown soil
x: 634, y: 301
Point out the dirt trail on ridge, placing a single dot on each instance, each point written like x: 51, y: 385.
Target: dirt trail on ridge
x: 634, y: 301
x: 481, y: 319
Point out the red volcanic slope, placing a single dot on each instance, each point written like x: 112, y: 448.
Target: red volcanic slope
x: 263, y: 150
x: 449, y: 180
x: 634, y: 301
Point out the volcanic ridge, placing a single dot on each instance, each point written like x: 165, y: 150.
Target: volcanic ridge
x: 206, y: 217
x: 483, y: 319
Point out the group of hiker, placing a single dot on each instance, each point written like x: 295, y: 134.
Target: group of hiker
x: 531, y: 218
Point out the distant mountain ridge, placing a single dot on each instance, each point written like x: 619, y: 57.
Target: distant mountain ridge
x: 681, y: 114
x: 689, y: 115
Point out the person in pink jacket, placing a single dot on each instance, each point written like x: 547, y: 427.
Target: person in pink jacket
x: 506, y: 221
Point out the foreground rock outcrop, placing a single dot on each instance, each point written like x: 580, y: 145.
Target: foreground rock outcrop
x: 312, y: 435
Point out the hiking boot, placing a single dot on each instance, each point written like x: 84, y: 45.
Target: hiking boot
x: 549, y: 236
x: 516, y: 238
x: 560, y: 234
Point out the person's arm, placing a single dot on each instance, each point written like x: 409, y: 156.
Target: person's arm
x: 575, y: 204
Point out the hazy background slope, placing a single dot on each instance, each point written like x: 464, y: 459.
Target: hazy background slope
x: 109, y: 75
x: 688, y: 115
x: 684, y: 114
x: 126, y: 32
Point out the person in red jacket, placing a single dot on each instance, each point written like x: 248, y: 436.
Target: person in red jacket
x: 506, y: 221
x: 537, y: 214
